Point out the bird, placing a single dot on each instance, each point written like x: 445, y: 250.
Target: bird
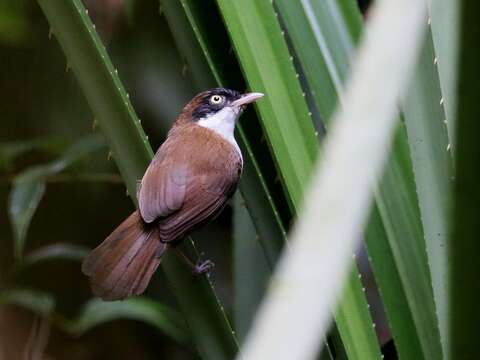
x: 188, y: 182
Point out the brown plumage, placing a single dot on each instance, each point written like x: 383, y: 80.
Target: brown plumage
x: 124, y: 262
x: 188, y: 182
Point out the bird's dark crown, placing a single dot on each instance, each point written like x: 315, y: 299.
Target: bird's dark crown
x: 204, y: 104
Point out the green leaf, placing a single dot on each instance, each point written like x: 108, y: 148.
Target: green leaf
x: 284, y: 112
x: 397, y: 203
x: 250, y: 268
x: 36, y: 301
x: 61, y: 251
x: 354, y: 322
x: 289, y: 128
x: 23, y: 202
x: 105, y: 93
x: 323, y: 36
x: 187, y: 44
x: 29, y: 188
x: 432, y: 166
x: 445, y: 27
x: 307, y: 280
x: 463, y: 242
x: 211, y: 331
x: 392, y: 291
x: 96, y: 312
x: 332, y: 29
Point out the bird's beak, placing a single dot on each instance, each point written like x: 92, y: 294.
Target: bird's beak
x: 247, y: 99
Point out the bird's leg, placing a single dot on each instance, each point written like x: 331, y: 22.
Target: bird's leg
x: 201, y: 267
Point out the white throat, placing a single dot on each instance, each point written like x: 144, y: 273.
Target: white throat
x: 223, y: 123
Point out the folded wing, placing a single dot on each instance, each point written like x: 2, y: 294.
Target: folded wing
x: 188, y: 182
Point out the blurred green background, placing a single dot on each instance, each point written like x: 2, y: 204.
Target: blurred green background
x: 43, y: 111
x: 42, y: 114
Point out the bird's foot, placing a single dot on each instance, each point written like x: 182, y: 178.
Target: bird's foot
x: 203, y: 267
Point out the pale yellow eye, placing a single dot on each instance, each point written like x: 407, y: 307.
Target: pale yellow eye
x: 216, y: 99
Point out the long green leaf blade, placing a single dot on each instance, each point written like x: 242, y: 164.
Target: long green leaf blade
x: 251, y: 270
x: 106, y: 94
x: 253, y: 26
x: 334, y: 28
x: 323, y: 35
x: 70, y: 23
x: 289, y: 128
x: 445, y: 27
x: 432, y: 165
x: 354, y: 322
x: 395, y: 300
x: 396, y: 200
x: 341, y: 190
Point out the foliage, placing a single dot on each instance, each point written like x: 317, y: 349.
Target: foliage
x: 300, y: 53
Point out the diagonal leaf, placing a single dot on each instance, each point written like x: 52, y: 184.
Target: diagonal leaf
x: 289, y: 128
x: 109, y: 101
x: 432, y: 165
x: 445, y: 27
x: 395, y: 301
x: 337, y: 206
x: 253, y: 26
x: 397, y: 203
x: 323, y: 37
x: 251, y: 270
x: 333, y: 27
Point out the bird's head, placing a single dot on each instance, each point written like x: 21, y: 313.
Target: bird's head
x: 218, y: 105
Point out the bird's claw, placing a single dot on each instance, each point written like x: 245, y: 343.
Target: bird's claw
x: 203, y: 267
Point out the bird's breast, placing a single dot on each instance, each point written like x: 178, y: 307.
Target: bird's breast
x: 205, y: 151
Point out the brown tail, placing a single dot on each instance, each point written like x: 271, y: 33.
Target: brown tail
x: 124, y: 262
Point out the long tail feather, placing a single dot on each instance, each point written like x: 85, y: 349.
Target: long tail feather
x: 124, y: 262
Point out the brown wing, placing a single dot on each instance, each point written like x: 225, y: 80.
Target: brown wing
x: 189, y: 181
x: 162, y: 190
x: 206, y: 196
